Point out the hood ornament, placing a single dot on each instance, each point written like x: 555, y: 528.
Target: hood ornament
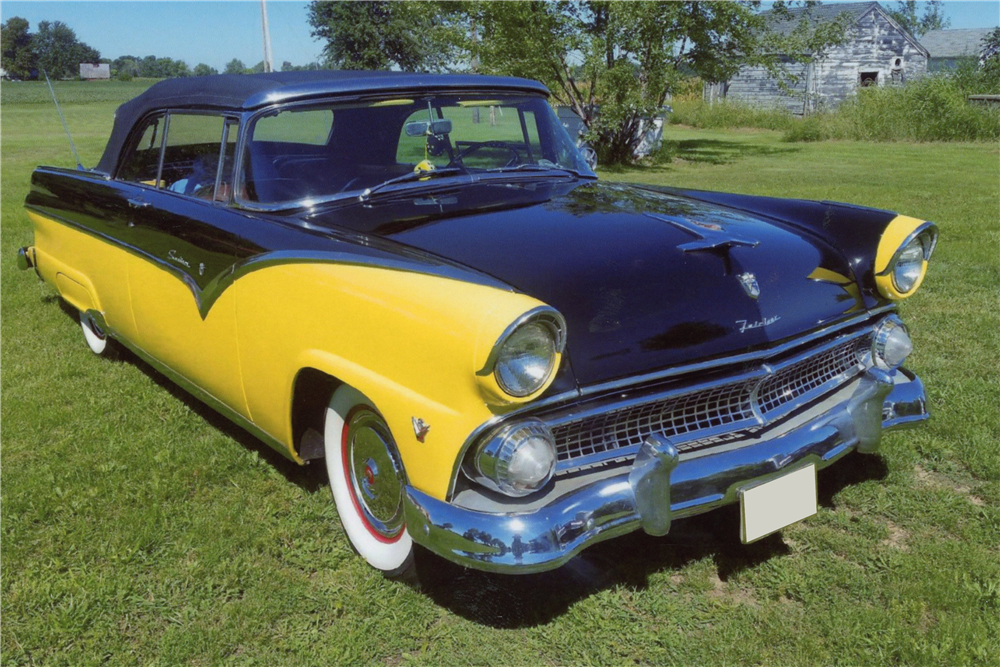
x: 709, y: 236
x: 749, y: 283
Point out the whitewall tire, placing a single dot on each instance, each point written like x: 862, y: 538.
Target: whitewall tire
x: 97, y: 339
x: 366, y: 478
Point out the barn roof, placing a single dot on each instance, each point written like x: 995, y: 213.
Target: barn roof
x: 784, y: 23
x: 243, y: 92
x: 955, y: 43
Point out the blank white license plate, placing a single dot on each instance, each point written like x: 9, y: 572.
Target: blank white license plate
x: 771, y: 506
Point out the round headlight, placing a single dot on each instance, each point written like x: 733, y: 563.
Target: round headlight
x: 891, y: 344
x: 517, y: 459
x: 909, y: 267
x: 526, y: 359
x: 902, y: 256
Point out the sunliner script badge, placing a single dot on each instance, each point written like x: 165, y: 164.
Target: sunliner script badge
x: 750, y: 286
x: 746, y: 325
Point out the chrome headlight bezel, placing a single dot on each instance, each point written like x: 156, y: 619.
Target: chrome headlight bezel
x: 889, y: 280
x: 889, y: 337
x: 493, y: 464
x: 546, y: 319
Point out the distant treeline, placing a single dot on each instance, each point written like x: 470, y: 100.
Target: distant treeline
x: 127, y: 67
x: 56, y: 49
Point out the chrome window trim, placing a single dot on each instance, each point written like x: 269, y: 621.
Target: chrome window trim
x: 567, y: 397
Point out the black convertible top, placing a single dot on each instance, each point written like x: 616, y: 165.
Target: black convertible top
x: 243, y: 92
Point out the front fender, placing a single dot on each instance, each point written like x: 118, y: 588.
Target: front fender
x: 408, y: 341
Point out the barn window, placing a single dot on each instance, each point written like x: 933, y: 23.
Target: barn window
x: 869, y: 78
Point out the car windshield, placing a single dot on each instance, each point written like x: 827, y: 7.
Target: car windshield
x: 318, y: 152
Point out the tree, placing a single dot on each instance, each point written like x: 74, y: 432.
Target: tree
x: 235, y: 66
x: 627, y: 57
x: 58, y: 50
x: 17, y: 57
x: 378, y: 35
x: 201, y: 69
x: 933, y: 18
x: 257, y: 69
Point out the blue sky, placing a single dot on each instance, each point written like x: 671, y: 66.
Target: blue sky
x: 217, y: 32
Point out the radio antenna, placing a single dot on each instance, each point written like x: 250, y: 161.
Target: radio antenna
x: 79, y: 165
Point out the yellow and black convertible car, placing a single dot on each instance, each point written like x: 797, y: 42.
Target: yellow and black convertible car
x: 418, y: 279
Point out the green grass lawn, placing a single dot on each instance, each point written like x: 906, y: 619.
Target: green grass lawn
x: 140, y: 528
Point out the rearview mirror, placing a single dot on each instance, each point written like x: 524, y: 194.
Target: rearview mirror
x: 423, y: 128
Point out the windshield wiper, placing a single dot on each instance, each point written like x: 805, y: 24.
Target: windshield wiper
x: 528, y: 166
x: 409, y: 176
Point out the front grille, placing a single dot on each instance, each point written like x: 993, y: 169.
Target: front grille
x: 703, y: 418
x: 806, y: 376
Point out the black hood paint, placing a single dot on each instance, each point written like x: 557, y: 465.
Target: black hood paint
x: 609, y: 258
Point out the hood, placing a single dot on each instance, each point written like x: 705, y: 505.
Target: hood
x: 645, y: 280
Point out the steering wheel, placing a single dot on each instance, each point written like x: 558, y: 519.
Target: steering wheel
x: 473, y: 147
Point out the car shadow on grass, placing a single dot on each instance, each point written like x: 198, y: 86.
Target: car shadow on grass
x: 520, y: 601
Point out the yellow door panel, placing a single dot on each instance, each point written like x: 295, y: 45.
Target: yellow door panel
x: 170, y: 328
x: 408, y: 341
x: 98, y: 266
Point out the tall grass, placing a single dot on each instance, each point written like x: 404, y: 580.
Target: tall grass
x: 729, y: 114
x: 931, y: 108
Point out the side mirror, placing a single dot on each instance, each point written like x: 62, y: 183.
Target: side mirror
x: 424, y: 128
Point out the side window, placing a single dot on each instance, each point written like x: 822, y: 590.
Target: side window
x: 311, y: 127
x: 191, y: 157
x: 144, y: 159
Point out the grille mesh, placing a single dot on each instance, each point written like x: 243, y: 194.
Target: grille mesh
x: 800, y: 379
x: 690, y: 417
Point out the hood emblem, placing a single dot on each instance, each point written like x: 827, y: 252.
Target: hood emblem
x: 750, y: 286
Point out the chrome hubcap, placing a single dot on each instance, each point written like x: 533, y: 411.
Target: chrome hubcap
x: 375, y: 473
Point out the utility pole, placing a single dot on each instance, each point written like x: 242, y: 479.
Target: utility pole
x: 475, y: 67
x: 268, y: 58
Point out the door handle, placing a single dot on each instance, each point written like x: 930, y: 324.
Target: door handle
x: 138, y: 203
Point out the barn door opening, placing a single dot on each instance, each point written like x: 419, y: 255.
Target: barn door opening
x: 869, y: 78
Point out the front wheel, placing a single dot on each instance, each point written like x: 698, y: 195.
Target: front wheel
x: 366, y: 478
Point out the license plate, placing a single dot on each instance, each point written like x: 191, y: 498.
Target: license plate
x: 769, y: 507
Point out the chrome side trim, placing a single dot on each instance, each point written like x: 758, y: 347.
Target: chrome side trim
x: 206, y: 298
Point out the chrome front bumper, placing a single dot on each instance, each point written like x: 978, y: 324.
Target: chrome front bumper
x: 661, y: 486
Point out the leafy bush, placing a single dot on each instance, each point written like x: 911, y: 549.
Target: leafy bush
x: 123, y: 75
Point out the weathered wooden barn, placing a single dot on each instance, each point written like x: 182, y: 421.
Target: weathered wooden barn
x: 877, y: 51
